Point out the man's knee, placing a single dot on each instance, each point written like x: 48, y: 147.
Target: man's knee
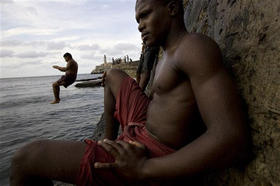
x: 55, y: 84
x: 24, y: 157
x: 24, y: 165
x: 113, y: 75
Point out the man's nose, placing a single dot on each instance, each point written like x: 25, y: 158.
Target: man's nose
x: 141, y: 26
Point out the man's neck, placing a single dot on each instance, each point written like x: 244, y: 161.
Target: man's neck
x: 175, y: 35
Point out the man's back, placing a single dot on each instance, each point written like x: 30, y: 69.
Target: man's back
x: 72, y: 68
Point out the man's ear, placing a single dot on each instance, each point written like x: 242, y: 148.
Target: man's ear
x: 173, y: 8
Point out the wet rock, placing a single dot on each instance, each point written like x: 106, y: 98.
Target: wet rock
x: 94, y: 83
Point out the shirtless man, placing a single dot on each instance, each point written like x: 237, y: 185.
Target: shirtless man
x: 69, y: 78
x: 162, y: 138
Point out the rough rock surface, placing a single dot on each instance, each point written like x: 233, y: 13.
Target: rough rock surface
x: 248, y: 33
x: 98, y: 132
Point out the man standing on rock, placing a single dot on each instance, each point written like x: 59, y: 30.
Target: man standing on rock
x: 69, y: 78
x: 194, y: 122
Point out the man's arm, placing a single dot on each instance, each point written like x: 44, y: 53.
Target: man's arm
x: 63, y: 69
x: 221, y: 111
x: 150, y: 56
x: 144, y: 80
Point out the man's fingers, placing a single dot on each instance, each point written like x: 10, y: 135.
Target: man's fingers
x: 99, y: 165
x: 115, y: 145
x: 109, y: 148
x: 137, y: 144
x: 103, y: 79
x: 104, y: 74
x: 125, y: 145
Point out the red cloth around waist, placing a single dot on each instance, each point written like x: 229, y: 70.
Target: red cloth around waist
x: 138, y: 132
x: 131, y: 110
x: 95, y: 153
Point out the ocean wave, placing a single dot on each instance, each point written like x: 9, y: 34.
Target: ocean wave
x: 23, y: 101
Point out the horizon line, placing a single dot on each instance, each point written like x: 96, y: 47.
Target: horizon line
x: 38, y: 76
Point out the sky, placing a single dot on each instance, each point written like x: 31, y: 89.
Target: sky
x: 36, y: 33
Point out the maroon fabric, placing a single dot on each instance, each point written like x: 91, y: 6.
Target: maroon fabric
x: 131, y: 110
x: 131, y: 103
x: 88, y: 176
x: 137, y: 132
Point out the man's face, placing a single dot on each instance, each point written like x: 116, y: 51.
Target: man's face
x: 151, y: 16
x: 67, y: 58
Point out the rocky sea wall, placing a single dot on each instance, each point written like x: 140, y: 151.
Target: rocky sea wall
x: 248, y: 32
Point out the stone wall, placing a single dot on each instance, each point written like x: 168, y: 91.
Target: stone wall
x: 130, y: 68
x: 248, y: 32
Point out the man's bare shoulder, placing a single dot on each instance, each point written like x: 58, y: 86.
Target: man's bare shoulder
x: 199, y: 40
x: 72, y: 61
x: 198, y: 52
x: 199, y: 46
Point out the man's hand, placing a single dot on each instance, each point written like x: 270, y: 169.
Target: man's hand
x: 129, y: 158
x: 55, y: 66
x: 103, y: 79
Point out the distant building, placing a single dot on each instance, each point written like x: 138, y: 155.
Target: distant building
x: 105, y: 60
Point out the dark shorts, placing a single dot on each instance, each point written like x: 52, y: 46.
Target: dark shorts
x: 131, y: 110
x: 66, y: 80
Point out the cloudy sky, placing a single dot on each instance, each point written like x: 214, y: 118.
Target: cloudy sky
x: 36, y: 33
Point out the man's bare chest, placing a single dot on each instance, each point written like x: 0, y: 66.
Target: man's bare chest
x: 170, y: 80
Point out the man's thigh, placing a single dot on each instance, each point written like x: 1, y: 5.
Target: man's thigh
x: 57, y: 160
x: 61, y: 81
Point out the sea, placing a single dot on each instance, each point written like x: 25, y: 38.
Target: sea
x: 26, y: 114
